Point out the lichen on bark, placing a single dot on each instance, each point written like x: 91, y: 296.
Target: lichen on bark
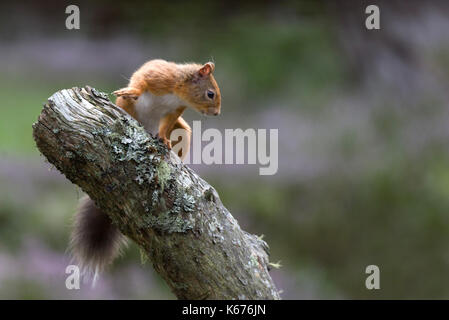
x: 175, y: 217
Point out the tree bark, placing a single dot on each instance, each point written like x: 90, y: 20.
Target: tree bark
x: 176, y: 217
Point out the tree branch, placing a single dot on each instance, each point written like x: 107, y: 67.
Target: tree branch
x: 176, y: 217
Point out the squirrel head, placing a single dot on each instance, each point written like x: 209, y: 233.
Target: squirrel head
x: 201, y: 91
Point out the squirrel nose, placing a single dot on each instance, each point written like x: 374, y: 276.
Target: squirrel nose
x: 212, y: 111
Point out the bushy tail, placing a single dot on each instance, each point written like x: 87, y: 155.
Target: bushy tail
x: 95, y: 241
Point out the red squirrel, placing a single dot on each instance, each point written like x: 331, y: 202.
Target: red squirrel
x: 157, y: 95
x: 159, y: 92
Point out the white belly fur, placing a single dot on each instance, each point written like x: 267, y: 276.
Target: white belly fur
x: 150, y: 109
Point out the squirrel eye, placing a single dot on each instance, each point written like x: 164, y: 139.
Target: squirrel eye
x: 210, y: 94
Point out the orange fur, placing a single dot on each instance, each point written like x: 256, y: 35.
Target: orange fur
x: 167, y: 123
x: 192, y: 83
x: 185, y: 140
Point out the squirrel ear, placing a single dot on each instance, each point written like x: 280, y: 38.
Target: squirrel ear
x: 207, y: 69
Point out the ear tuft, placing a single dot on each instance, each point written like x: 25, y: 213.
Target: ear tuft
x: 207, y: 69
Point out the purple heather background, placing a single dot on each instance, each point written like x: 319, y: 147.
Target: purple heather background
x: 363, y: 137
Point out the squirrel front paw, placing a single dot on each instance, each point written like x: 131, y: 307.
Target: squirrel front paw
x: 167, y: 143
x: 128, y: 93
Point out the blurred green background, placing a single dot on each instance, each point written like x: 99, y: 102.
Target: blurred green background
x: 363, y: 137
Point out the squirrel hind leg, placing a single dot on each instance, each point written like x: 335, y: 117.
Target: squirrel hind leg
x: 95, y: 242
x: 128, y: 92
